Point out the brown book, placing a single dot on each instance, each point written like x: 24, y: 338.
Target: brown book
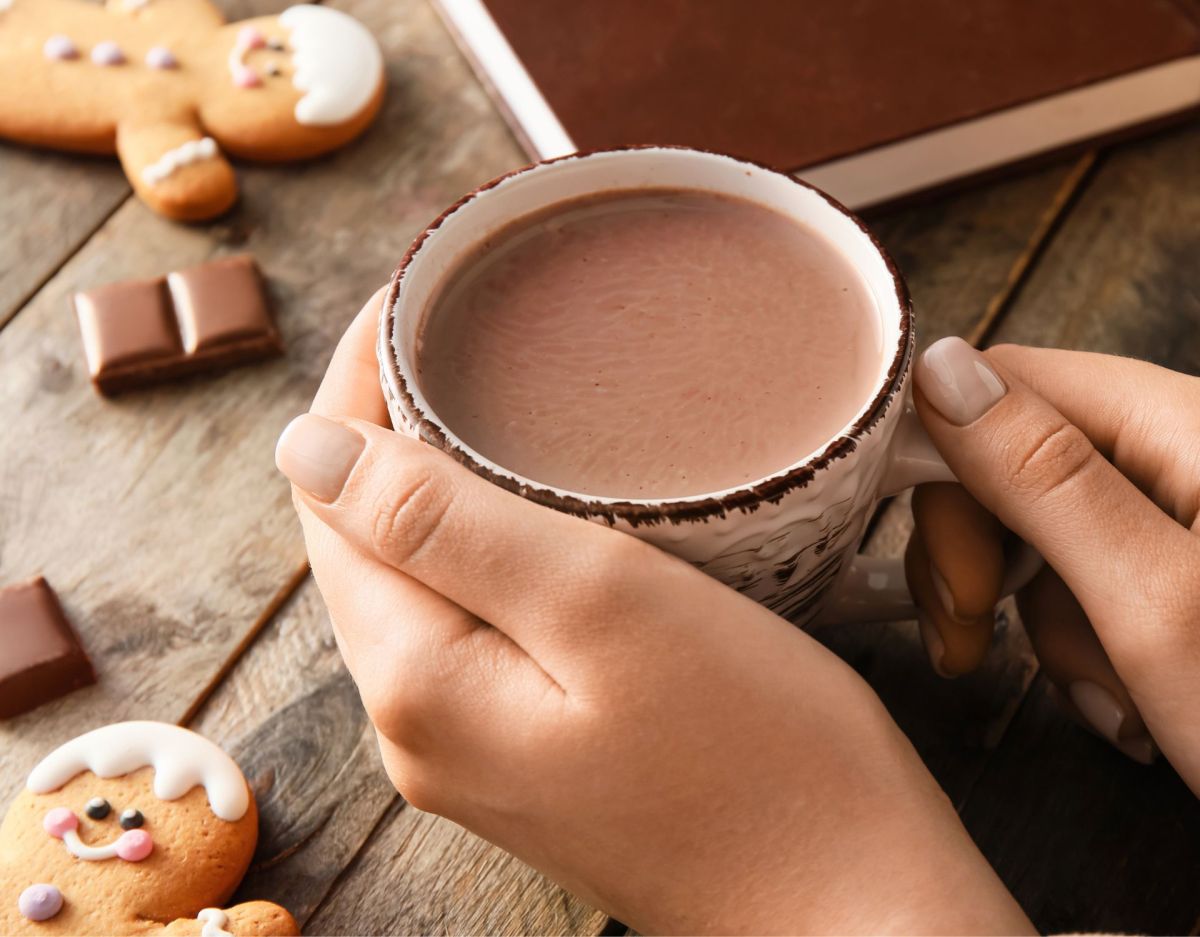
x: 870, y: 99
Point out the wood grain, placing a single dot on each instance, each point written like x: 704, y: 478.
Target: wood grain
x: 1087, y: 840
x: 50, y: 204
x: 421, y: 874
x: 290, y: 715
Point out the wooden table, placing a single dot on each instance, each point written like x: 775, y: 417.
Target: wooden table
x: 160, y: 518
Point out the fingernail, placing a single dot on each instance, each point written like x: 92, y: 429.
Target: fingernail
x: 1141, y: 749
x: 1099, y: 707
x: 935, y: 647
x: 318, y: 455
x: 958, y: 381
x: 945, y: 596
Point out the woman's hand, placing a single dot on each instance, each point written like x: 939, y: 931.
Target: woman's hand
x: 656, y: 742
x: 1095, y: 461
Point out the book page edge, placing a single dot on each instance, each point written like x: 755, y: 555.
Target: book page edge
x: 513, y: 87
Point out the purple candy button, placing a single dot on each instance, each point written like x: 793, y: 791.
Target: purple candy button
x: 161, y: 57
x: 60, y: 47
x: 108, y: 53
x: 40, y: 902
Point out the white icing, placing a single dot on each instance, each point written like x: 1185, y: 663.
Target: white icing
x: 173, y: 160
x: 181, y: 760
x: 338, y: 64
x: 135, y: 4
x: 214, y: 920
x: 81, y: 850
x: 5, y: 4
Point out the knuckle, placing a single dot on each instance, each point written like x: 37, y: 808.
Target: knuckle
x: 397, y: 697
x: 610, y: 566
x: 1054, y: 457
x: 411, y: 780
x: 406, y: 517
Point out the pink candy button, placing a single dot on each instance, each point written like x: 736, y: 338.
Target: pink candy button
x: 161, y: 57
x: 134, y: 845
x: 108, y: 53
x: 60, y: 821
x: 60, y: 47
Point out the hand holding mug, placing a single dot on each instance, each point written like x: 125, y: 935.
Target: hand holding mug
x: 659, y: 744
x: 1095, y: 461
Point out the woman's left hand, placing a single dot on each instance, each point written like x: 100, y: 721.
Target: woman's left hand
x: 659, y: 744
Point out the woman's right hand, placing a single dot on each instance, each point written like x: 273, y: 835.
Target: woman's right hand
x: 1095, y: 461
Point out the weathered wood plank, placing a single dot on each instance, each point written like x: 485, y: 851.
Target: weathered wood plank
x: 962, y: 256
x: 50, y: 204
x: 421, y: 874
x: 1088, y: 841
x: 159, y: 516
x: 290, y: 715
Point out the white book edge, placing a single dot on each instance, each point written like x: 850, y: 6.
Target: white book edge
x: 893, y: 170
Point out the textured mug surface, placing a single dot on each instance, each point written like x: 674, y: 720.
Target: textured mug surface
x: 785, y: 540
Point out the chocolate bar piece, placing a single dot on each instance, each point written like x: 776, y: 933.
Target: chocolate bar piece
x: 143, y: 331
x: 40, y: 656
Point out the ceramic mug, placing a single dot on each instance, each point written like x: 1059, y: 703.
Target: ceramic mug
x: 789, y: 541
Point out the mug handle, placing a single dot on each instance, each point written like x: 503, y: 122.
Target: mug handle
x: 874, y: 588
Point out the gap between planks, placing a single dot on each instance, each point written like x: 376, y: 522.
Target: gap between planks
x: 24, y: 300
x: 1068, y: 193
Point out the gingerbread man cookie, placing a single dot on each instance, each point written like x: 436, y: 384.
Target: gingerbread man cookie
x: 170, y: 87
x: 135, y: 828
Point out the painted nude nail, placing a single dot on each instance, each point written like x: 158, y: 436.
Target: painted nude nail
x: 1099, y: 707
x: 1141, y: 749
x: 945, y: 596
x: 958, y: 381
x: 318, y: 455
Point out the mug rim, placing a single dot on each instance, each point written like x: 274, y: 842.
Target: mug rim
x: 745, y: 498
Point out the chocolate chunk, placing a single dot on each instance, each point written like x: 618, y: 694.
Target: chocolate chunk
x: 40, y: 656
x: 144, y: 331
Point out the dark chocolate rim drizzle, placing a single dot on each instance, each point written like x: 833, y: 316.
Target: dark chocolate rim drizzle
x: 746, y: 499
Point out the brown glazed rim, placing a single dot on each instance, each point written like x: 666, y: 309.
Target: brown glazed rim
x: 746, y: 499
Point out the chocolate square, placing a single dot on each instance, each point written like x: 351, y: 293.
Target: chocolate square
x: 219, y: 302
x: 41, y: 658
x: 123, y: 323
x: 143, y: 331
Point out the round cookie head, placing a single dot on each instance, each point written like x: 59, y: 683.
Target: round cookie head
x: 134, y: 821
x: 298, y: 84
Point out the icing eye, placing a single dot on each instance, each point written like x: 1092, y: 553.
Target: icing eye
x: 273, y: 71
x: 97, y: 808
x: 275, y: 45
x: 131, y: 819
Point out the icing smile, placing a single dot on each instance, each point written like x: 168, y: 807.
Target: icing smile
x: 132, y: 845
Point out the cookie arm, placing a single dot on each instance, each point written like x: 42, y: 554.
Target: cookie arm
x: 176, y: 169
x: 249, y: 919
x: 260, y: 919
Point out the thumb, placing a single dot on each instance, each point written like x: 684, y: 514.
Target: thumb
x: 1044, y: 479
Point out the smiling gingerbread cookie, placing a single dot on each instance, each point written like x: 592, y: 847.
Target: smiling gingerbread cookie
x: 170, y: 88
x: 134, y: 828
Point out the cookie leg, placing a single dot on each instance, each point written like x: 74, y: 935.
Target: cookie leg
x: 177, y: 170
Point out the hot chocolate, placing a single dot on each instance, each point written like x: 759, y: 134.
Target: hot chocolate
x: 650, y: 344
